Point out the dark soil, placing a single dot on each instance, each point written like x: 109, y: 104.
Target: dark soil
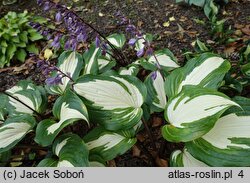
x: 150, y: 17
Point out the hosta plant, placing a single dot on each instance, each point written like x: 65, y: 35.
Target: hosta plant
x: 114, y: 103
x: 17, y: 37
x: 111, y: 103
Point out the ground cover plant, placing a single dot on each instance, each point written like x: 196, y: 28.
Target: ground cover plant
x: 101, y: 92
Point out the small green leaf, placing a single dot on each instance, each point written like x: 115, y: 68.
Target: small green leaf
x: 34, y: 36
x: 21, y: 55
x: 32, y: 49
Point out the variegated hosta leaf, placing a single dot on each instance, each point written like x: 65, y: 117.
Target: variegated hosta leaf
x: 3, y: 112
x: 139, y: 44
x: 184, y: 159
x: 227, y: 143
x: 165, y: 58
x: 118, y: 40
x: 14, y: 129
x: 132, y: 70
x: 69, y: 63
x: 156, y: 97
x: 29, y: 94
x: 91, y: 60
x: 96, y: 161
x: 114, y: 102
x: 70, y: 151
x: 207, y: 70
x: 108, y: 144
x: 193, y: 112
x: 67, y: 109
x: 105, y: 63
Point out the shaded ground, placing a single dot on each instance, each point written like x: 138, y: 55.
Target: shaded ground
x: 150, y: 16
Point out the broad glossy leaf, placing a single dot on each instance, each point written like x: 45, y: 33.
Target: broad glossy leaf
x: 91, y: 60
x: 14, y: 129
x: 184, y: 159
x: 70, y: 151
x: 156, y: 97
x: 207, y: 70
x: 68, y: 62
x: 114, y: 102
x: 118, y: 40
x: 139, y: 44
x: 30, y: 95
x: 193, y: 112
x: 228, y: 142
x: 131, y: 70
x: 105, y: 63
x: 165, y: 58
x: 67, y: 109
x: 108, y: 144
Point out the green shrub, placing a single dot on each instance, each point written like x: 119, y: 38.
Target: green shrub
x: 16, y: 37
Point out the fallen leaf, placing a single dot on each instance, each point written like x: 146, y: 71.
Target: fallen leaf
x: 136, y: 151
x: 101, y: 14
x: 20, y: 68
x: 171, y: 19
x: 111, y: 163
x: 157, y: 121
x: 246, y: 30
x: 161, y: 162
x: 166, y: 24
x: 139, y: 23
x: 48, y: 54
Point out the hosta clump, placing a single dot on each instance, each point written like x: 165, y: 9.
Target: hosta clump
x: 116, y: 118
x: 17, y: 38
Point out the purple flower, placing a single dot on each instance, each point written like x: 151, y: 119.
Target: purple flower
x: 131, y: 28
x: 46, y: 6
x: 149, y: 52
x: 154, y: 75
x: 58, y: 17
x: 140, y: 52
x: 97, y: 41
x: 54, y: 80
x: 81, y: 37
x: 56, y: 42
x: 132, y: 41
x: 39, y: 2
x: 67, y: 45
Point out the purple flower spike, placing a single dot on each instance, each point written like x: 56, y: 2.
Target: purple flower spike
x: 56, y: 42
x: 132, y: 41
x: 54, y: 80
x: 39, y: 2
x: 154, y: 75
x: 97, y: 42
x: 140, y: 52
x: 80, y: 37
x: 149, y: 52
x: 67, y: 45
x: 58, y: 17
x: 46, y: 6
x: 131, y: 28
